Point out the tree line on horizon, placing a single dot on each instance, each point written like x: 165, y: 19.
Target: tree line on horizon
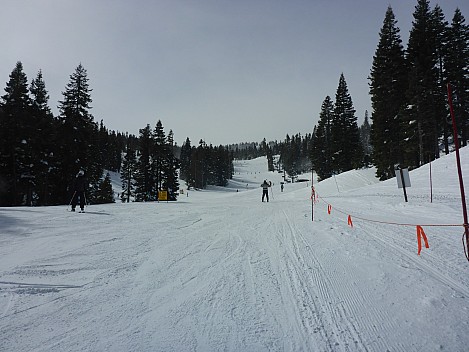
x: 40, y: 154
x: 205, y: 164
x: 337, y: 143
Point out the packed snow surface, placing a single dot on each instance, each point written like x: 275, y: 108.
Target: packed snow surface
x: 219, y: 270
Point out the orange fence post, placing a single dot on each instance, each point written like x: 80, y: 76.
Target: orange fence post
x: 420, y: 234
x: 349, y: 221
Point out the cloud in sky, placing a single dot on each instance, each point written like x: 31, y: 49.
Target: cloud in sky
x: 220, y: 70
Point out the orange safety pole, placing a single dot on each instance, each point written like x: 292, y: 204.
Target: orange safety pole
x: 420, y: 235
x: 458, y: 161
x: 349, y: 221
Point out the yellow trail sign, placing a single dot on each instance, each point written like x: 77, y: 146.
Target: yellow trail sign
x: 162, y: 195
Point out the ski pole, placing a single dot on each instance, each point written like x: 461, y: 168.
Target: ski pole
x: 73, y: 196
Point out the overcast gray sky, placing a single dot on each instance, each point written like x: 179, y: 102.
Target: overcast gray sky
x: 224, y: 71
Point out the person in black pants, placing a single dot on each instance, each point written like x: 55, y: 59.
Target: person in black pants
x: 265, y: 189
x: 79, y: 187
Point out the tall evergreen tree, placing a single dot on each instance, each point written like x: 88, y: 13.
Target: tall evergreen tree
x: 45, y: 161
x: 440, y: 34
x: 285, y: 155
x: 116, y: 145
x: 15, y: 141
x: 171, y: 182
x: 199, y: 163
x: 77, y: 97
x: 365, y: 130
x: 104, y: 150
x: 172, y: 172
x: 457, y: 68
x: 321, y: 155
x: 263, y: 147
x: 105, y: 193
x: 40, y: 94
x: 144, y: 182
x: 185, y: 159
x: 5, y: 191
x: 347, y: 152
x: 421, y: 115
x: 79, y: 147
x: 159, y: 156
x: 127, y: 172
x: 388, y: 83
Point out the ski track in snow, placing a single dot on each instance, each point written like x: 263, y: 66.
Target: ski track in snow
x: 329, y: 303
x: 222, y: 271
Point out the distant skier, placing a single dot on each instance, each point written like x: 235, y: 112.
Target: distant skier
x: 265, y: 189
x: 79, y: 186
x: 281, y: 186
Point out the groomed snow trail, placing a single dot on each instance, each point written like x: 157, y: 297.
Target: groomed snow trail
x: 222, y: 271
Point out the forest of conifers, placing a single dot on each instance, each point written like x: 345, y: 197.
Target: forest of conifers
x: 409, y: 125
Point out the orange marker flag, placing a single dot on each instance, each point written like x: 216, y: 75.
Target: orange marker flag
x: 420, y: 234
x: 349, y: 221
x: 329, y: 209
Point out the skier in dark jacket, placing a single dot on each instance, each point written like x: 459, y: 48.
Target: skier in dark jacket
x: 79, y: 186
x: 265, y: 189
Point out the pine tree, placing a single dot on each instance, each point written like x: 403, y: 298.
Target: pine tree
x: 127, y: 173
x: 40, y: 94
x: 365, y: 130
x: 421, y: 115
x: 15, y: 141
x: 347, y: 152
x: 218, y: 166
x: 171, y: 183
x: 440, y: 34
x: 45, y: 161
x: 457, y: 68
x: 285, y: 155
x: 321, y: 154
x: 388, y: 82
x: 199, y: 165
x: 143, y: 177
x: 116, y: 146
x: 270, y: 159
x: 295, y: 156
x: 79, y: 147
x: 77, y: 97
x: 5, y: 192
x: 159, y: 156
x: 263, y: 147
x: 185, y: 159
x: 105, y: 193
x: 104, y: 152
